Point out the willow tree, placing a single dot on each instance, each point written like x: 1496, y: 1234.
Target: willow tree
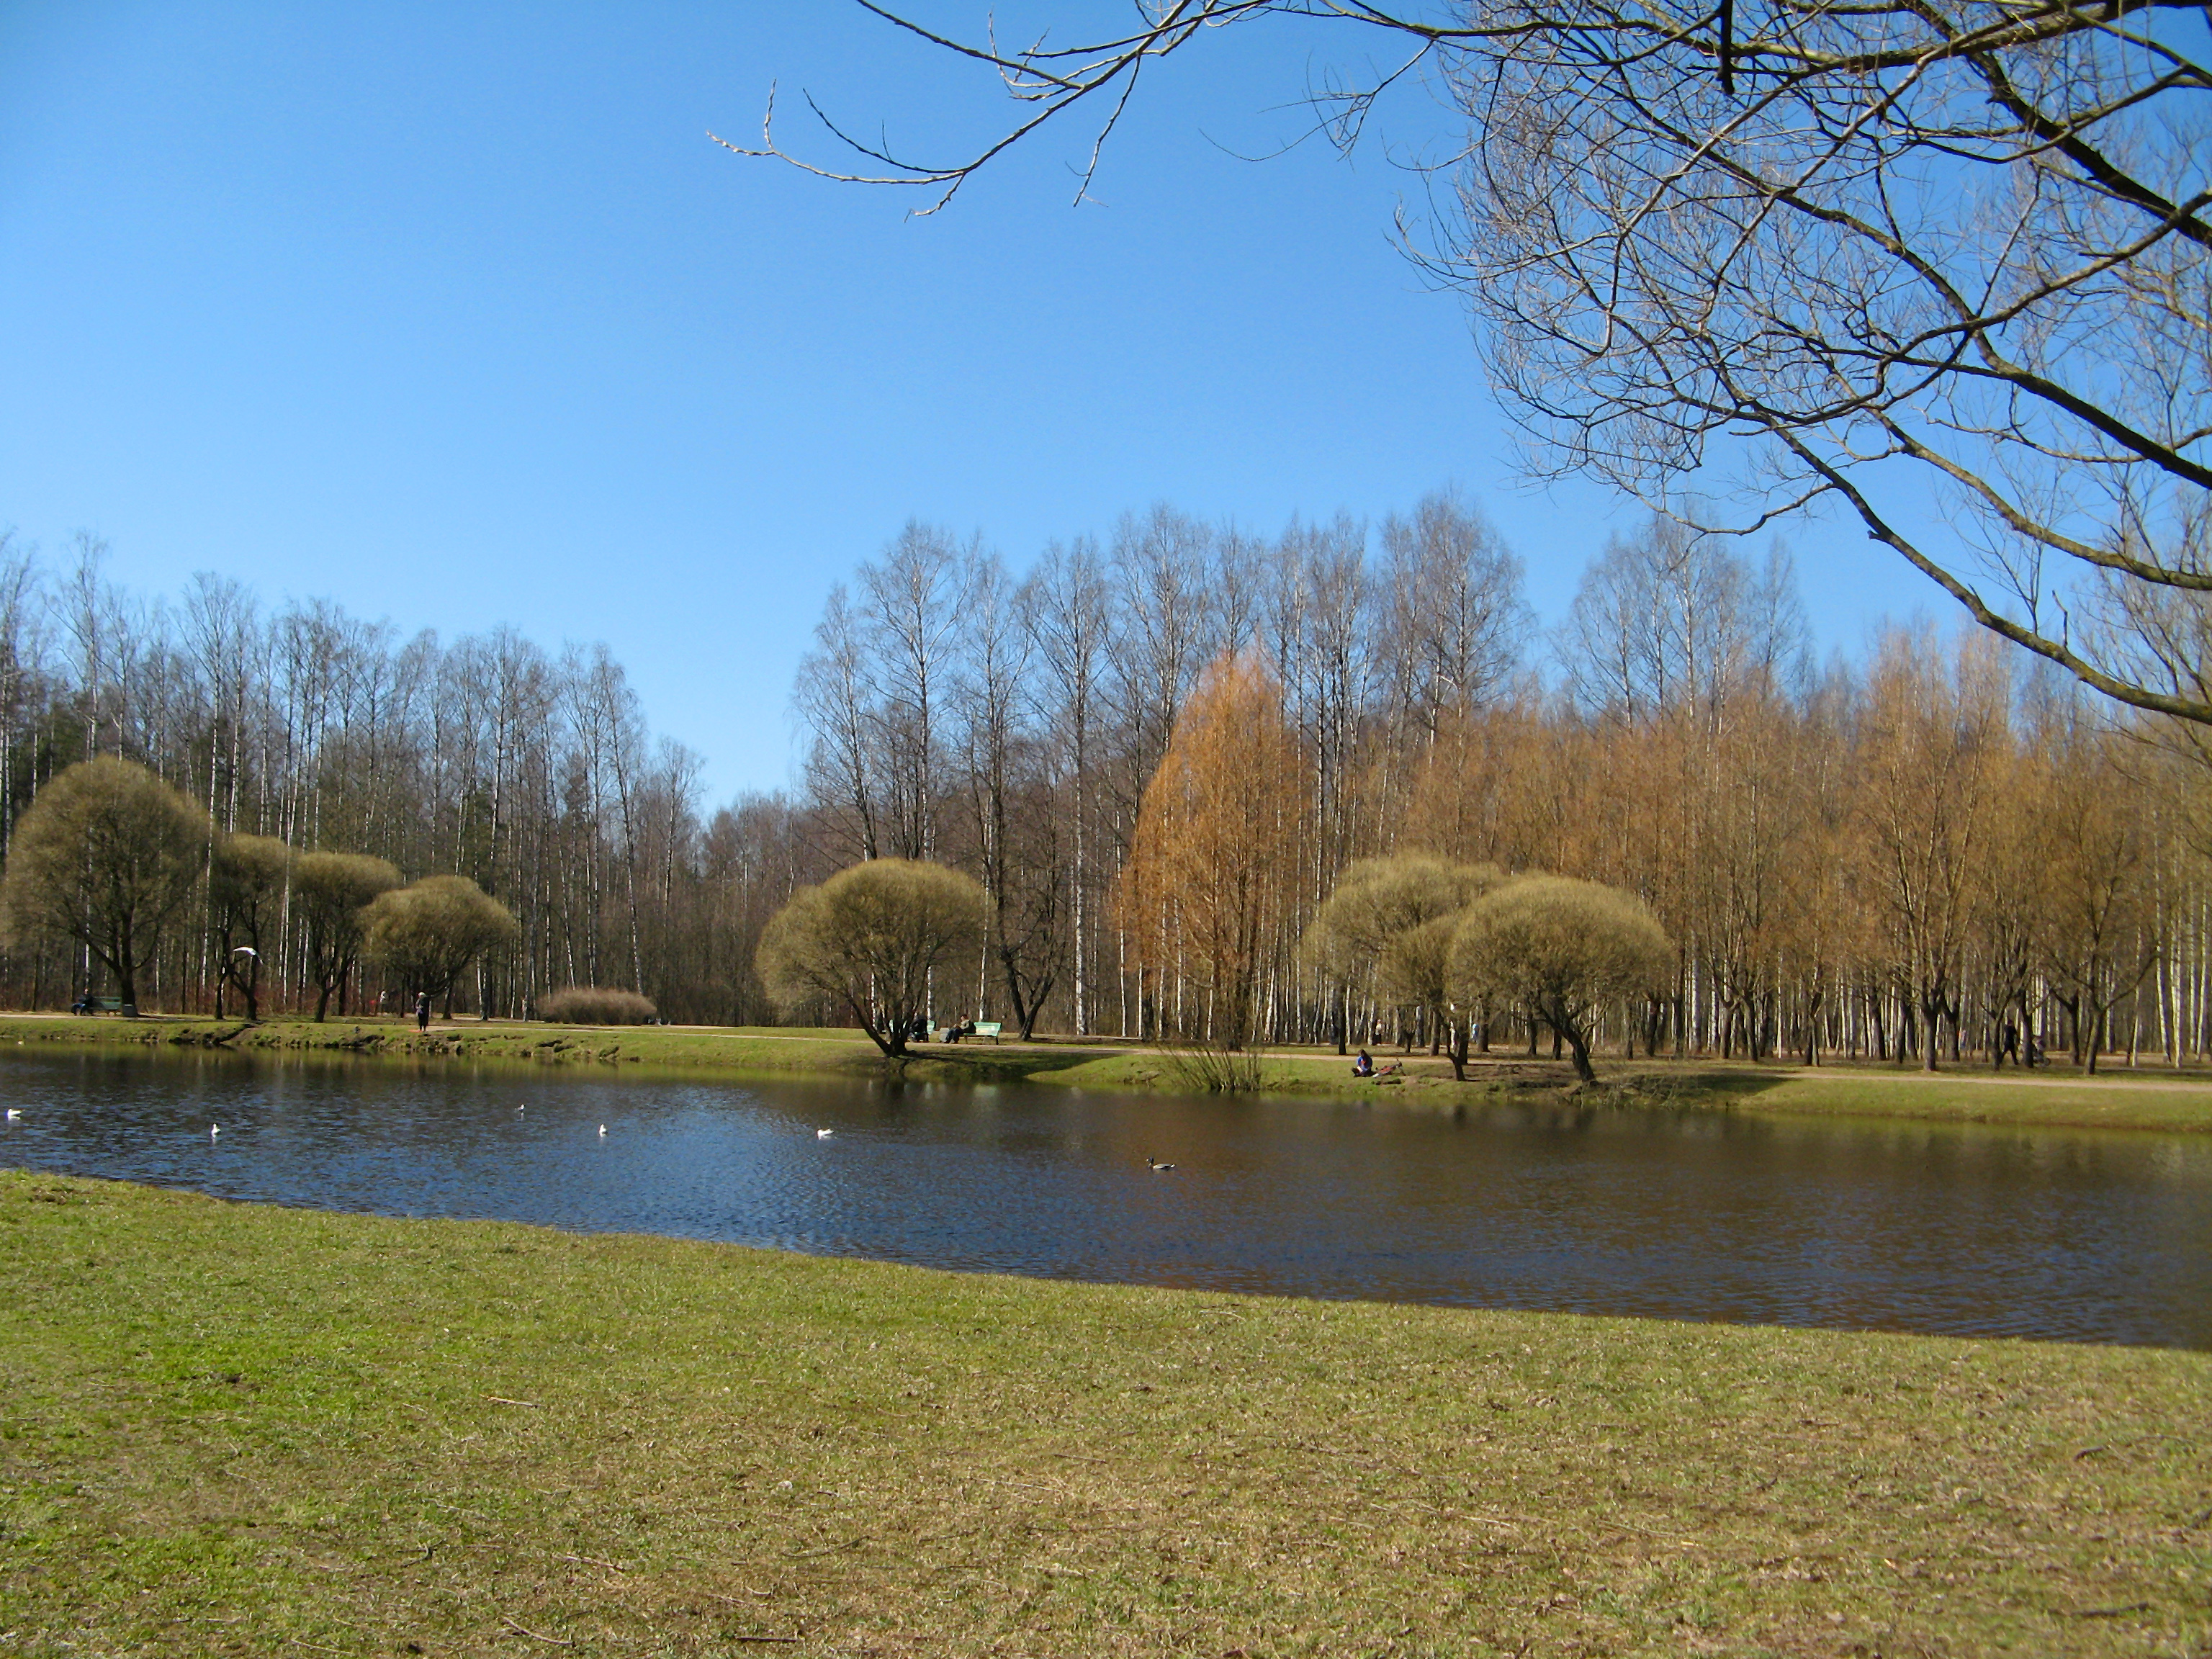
x: 426, y: 935
x: 1212, y: 865
x: 1388, y: 926
x: 104, y: 859
x: 870, y: 940
x: 333, y: 891
x: 1564, y: 950
x: 246, y: 900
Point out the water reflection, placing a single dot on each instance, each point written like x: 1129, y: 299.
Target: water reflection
x: 1897, y: 1226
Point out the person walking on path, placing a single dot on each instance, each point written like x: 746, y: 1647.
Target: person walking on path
x: 421, y: 1011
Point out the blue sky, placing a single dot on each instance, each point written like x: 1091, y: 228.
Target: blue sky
x: 456, y: 315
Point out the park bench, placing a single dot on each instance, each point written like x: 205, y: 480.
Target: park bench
x: 981, y: 1028
x: 104, y: 1005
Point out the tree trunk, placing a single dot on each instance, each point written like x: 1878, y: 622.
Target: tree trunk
x: 1577, y: 1042
x: 2073, y: 1024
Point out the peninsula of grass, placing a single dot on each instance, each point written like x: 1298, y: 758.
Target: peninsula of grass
x: 234, y: 1429
x: 2056, y: 1096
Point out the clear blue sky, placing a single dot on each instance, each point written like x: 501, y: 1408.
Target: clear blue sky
x: 453, y: 314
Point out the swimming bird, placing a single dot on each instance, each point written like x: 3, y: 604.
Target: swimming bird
x: 13, y: 1115
x: 1156, y: 1166
x: 603, y: 1132
x: 214, y: 1129
x: 823, y: 1134
x: 522, y: 1108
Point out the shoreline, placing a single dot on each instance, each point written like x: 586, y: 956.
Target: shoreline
x: 2061, y: 1099
x: 255, y: 1427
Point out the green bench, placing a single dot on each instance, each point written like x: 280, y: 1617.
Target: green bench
x: 104, y: 1005
x: 981, y: 1028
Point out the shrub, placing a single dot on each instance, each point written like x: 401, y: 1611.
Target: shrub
x: 1213, y: 1069
x: 597, y: 1004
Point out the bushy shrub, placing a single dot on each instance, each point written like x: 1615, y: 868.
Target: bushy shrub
x: 1211, y: 1068
x: 596, y: 1005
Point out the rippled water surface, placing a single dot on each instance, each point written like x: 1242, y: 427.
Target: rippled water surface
x: 2097, y: 1237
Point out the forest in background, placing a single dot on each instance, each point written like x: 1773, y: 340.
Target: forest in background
x: 1936, y: 844
x: 1944, y: 845
x: 534, y: 774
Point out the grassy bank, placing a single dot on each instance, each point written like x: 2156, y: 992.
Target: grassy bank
x: 240, y: 1430
x: 2055, y: 1097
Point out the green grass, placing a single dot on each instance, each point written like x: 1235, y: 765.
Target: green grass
x: 2056, y: 1098
x: 231, y: 1428
x: 2059, y: 1096
x: 736, y: 1049
x: 2068, y: 1101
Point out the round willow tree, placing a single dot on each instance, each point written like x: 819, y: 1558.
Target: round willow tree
x: 1390, y: 926
x: 427, y: 934
x: 245, y: 902
x: 1564, y: 950
x: 331, y: 892
x: 867, y: 941
x: 105, y: 858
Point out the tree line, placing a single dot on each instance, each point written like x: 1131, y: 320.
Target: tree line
x: 1161, y: 759
x: 328, y: 758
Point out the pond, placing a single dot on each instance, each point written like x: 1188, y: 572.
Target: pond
x: 1858, y: 1224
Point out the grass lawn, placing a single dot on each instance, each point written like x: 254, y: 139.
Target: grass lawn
x: 2058, y: 1097
x: 2054, y: 1098
x: 229, y: 1429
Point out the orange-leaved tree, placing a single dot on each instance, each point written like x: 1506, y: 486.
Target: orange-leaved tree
x: 1213, y: 868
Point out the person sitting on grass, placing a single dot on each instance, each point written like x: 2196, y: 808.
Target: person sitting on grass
x: 1364, y: 1066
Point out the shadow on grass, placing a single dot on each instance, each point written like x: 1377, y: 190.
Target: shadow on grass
x: 1705, y: 1089
x: 967, y: 1063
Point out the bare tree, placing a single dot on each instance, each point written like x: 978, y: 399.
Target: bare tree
x: 1016, y: 843
x: 22, y: 649
x: 912, y: 594
x: 1672, y: 617
x: 1875, y: 255
x: 1069, y: 614
x: 1457, y: 618
x: 835, y: 700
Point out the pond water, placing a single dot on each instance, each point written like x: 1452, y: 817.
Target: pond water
x: 1860, y: 1224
